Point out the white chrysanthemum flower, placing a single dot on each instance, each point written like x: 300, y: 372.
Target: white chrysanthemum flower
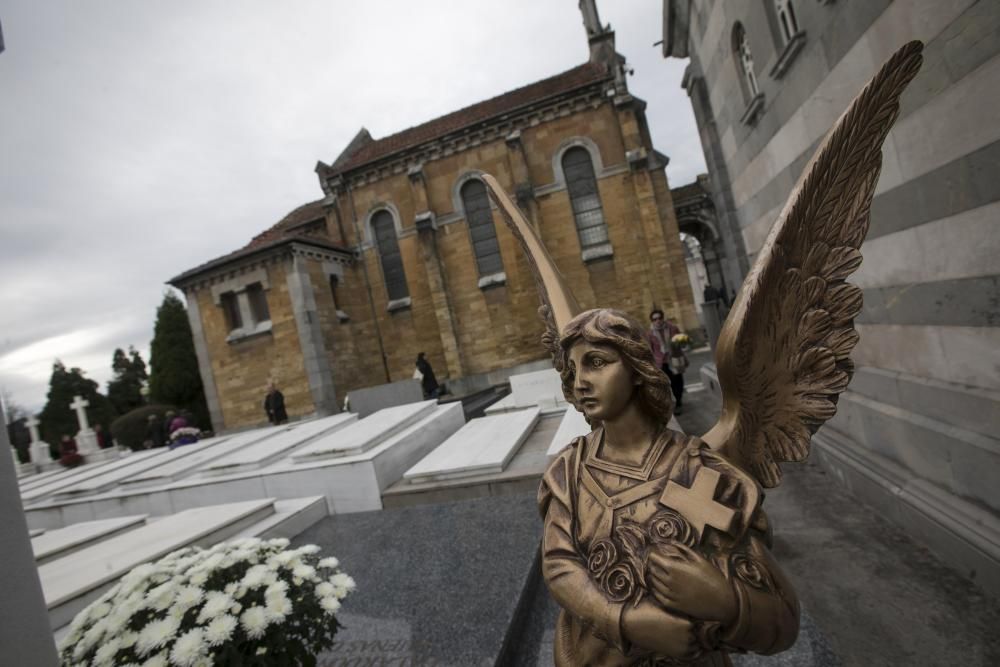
x: 156, y: 634
x: 80, y: 650
x: 99, y: 611
x: 187, y: 597
x: 236, y: 608
x: 230, y: 588
x: 308, y: 549
x: 304, y: 571
x: 287, y: 559
x: 276, y: 588
x: 105, y: 654
x: 216, y: 603
x: 325, y: 589
x: 220, y: 629
x: 189, y: 648
x: 280, y: 542
x: 129, y: 639
x: 255, y: 621
x: 162, y: 596
x: 279, y: 606
x: 199, y: 578
x: 341, y: 580
x: 158, y: 660
x: 330, y: 604
x: 255, y: 576
x: 329, y: 563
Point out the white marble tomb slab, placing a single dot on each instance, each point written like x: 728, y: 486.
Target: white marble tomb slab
x: 71, y: 583
x: 58, y: 543
x: 91, y: 470
x: 269, y: 449
x: 40, y: 478
x: 365, y: 434
x: 542, y: 388
x: 197, y: 456
x: 572, y: 426
x: 351, y: 483
x: 482, y: 446
x: 113, y: 478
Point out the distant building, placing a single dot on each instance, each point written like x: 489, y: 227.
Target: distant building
x: 916, y: 434
x: 404, y: 254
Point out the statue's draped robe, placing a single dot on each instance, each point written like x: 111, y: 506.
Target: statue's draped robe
x: 584, y: 499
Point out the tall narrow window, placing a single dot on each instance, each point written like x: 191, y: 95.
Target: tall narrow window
x: 480, y: 220
x: 744, y: 61
x: 258, y: 303
x: 231, y: 308
x: 388, y: 250
x: 787, y: 23
x: 334, y: 284
x: 582, y: 185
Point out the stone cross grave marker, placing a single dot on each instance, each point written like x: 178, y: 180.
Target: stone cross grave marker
x: 86, y: 439
x: 39, y: 449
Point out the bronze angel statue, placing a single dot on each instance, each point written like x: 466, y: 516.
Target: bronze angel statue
x: 655, y: 543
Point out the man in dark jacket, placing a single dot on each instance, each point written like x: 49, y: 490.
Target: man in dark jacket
x: 274, y: 405
x: 428, y: 382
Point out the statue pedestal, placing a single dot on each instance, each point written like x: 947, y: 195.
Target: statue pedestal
x: 40, y: 454
x: 86, y: 442
x: 109, y: 454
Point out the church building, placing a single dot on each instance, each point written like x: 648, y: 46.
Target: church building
x: 404, y: 252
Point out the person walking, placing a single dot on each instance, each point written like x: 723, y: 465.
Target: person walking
x: 274, y: 405
x: 660, y: 335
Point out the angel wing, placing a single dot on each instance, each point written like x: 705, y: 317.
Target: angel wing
x: 559, y: 305
x: 783, y: 355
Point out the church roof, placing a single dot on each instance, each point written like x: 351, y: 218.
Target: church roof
x: 363, y: 150
x: 286, y: 230
x: 374, y: 149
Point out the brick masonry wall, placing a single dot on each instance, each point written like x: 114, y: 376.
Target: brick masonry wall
x: 241, y: 369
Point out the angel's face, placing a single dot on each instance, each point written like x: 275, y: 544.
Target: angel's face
x: 602, y: 383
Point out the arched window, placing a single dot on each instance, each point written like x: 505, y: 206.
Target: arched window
x: 476, y: 203
x: 384, y: 231
x: 744, y: 61
x: 787, y: 23
x: 582, y: 185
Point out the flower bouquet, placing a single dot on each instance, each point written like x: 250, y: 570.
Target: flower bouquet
x: 184, y: 435
x: 681, y: 340
x: 244, y: 602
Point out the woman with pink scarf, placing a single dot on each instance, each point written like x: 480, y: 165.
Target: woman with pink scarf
x: 659, y: 335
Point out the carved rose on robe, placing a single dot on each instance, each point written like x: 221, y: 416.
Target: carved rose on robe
x: 669, y: 527
x: 603, y: 555
x: 619, y: 583
x: 751, y: 572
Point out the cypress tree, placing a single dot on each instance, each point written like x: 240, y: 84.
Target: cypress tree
x: 174, y: 378
x: 57, y: 417
x: 125, y: 387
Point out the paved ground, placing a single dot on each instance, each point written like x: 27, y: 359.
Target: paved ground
x: 877, y: 597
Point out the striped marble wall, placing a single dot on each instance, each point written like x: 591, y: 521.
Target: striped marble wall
x: 924, y: 408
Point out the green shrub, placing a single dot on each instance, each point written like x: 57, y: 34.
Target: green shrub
x: 129, y: 430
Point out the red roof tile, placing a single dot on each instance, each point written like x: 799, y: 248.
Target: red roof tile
x: 577, y: 77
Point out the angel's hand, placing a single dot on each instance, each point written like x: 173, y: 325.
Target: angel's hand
x: 681, y: 578
x: 656, y: 630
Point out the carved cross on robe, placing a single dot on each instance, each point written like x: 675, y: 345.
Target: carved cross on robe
x: 698, y: 504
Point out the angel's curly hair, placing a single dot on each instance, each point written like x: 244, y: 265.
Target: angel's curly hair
x: 604, y: 326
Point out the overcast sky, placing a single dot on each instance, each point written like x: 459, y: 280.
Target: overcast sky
x: 140, y: 139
